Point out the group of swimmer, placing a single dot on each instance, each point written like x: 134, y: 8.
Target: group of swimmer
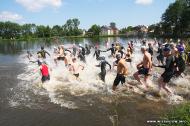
x: 170, y: 56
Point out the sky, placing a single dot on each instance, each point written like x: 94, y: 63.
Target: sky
x: 101, y: 12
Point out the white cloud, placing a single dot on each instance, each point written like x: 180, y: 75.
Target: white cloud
x: 37, y: 5
x: 10, y: 16
x: 144, y: 2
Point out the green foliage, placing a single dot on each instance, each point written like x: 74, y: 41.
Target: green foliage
x: 175, y: 21
x: 70, y: 28
x: 181, y: 113
x: 95, y: 30
x: 125, y: 30
x: 10, y: 30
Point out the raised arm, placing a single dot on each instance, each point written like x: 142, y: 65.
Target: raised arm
x: 47, y: 53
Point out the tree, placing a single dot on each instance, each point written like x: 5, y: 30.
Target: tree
x: 125, y: 30
x: 57, y: 30
x: 40, y: 31
x: 71, y: 27
x: 95, y: 29
x: 176, y: 18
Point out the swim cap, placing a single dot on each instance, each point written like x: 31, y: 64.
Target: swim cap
x: 180, y: 48
x: 166, y: 49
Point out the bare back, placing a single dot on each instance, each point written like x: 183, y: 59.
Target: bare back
x: 147, y: 63
x: 121, y: 67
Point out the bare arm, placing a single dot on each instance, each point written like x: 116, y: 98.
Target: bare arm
x: 149, y: 60
x: 48, y: 53
x: 125, y: 68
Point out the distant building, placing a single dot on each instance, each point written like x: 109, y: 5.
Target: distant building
x: 107, y: 30
x: 83, y: 32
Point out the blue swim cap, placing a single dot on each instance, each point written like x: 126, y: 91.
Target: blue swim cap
x: 166, y: 49
x: 180, y: 48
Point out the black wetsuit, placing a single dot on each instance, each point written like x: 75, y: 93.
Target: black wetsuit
x: 121, y: 52
x: 169, y: 69
x: 83, y: 50
x: 180, y: 63
x: 74, y: 51
x: 43, y: 53
x: 81, y: 57
x: 160, y: 57
x: 87, y: 50
x: 97, y: 54
x: 102, y: 74
x: 112, y: 49
x: 150, y: 50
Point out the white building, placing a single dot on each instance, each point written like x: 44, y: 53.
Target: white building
x: 105, y: 30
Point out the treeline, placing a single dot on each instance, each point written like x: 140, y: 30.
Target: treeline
x: 175, y: 22
x: 10, y: 30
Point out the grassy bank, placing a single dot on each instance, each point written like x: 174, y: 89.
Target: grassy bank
x: 178, y: 116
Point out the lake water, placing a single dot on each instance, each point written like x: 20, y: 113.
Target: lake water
x: 24, y: 101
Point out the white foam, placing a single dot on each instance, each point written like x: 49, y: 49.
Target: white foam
x: 62, y: 83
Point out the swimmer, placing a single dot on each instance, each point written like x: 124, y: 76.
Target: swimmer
x: 43, y: 52
x: 75, y: 68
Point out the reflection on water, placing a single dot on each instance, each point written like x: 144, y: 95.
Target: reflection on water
x: 14, y: 47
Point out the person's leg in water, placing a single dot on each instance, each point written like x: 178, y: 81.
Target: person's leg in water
x: 103, y: 74
x: 162, y: 84
x: 66, y: 61
x: 146, y: 81
x: 116, y: 82
x: 136, y: 76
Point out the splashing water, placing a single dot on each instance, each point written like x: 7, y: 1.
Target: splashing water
x: 64, y: 90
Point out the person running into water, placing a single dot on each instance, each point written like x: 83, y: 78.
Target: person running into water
x: 174, y: 50
x: 121, y: 51
x: 61, y: 55
x: 160, y: 57
x: 44, y: 71
x: 43, y: 52
x: 83, y: 51
x: 150, y: 50
x: 179, y: 64
x: 130, y: 46
x: 121, y: 72
x: 75, y: 68
x: 74, y: 50
x: 97, y: 54
x: 87, y: 47
x: 112, y: 49
x: 29, y: 55
x: 144, y: 67
x: 103, y: 64
x: 169, y: 70
x: 81, y: 56
x: 128, y: 56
